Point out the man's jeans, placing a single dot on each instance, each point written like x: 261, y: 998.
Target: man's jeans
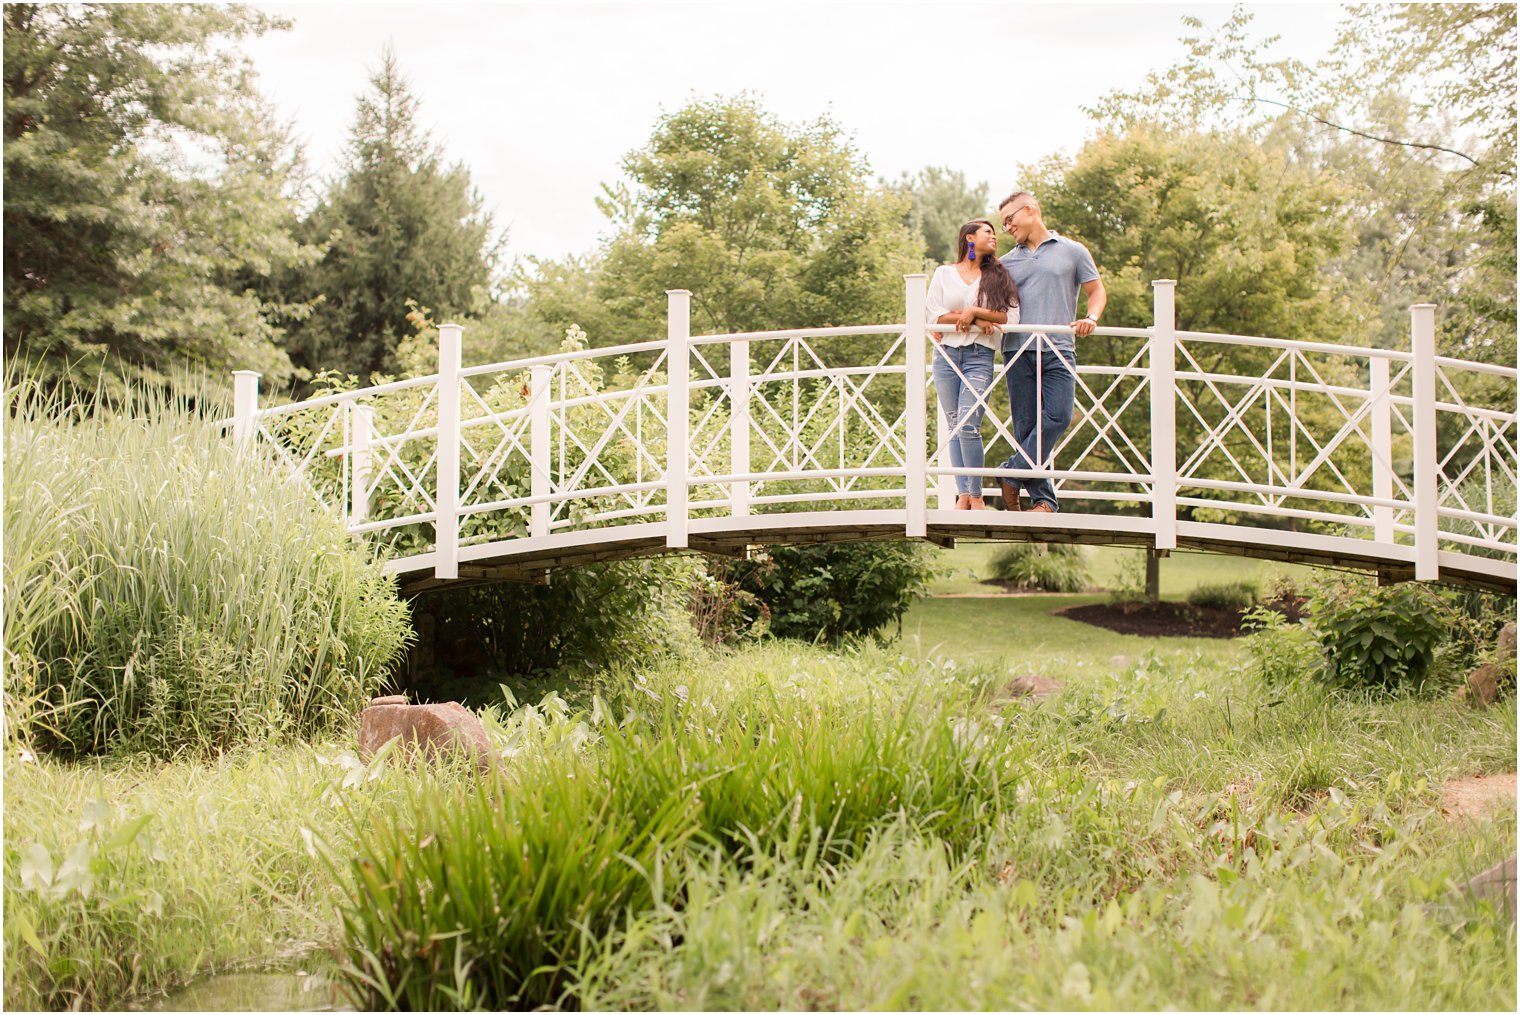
x: 1042, y: 387
x: 963, y: 402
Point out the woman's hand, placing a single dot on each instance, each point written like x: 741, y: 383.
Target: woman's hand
x: 965, y: 319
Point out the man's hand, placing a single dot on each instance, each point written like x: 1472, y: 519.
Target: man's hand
x: 1084, y: 327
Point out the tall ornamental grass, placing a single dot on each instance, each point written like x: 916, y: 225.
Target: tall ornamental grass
x: 165, y: 591
x: 491, y: 897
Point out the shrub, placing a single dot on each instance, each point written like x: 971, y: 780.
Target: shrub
x: 1225, y: 595
x: 165, y: 591
x: 1373, y: 637
x: 586, y: 617
x: 1051, y: 567
x: 722, y: 613
x: 1282, y: 653
x: 828, y: 592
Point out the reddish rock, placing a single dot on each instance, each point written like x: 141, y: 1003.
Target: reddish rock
x: 1033, y: 687
x: 1481, y: 686
x: 434, y: 730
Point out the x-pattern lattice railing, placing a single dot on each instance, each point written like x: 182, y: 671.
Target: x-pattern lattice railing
x: 1404, y: 451
x: 1099, y: 455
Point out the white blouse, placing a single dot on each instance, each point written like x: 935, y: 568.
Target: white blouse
x: 949, y: 294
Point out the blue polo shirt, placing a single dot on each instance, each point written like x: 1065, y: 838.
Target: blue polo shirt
x: 1049, y: 278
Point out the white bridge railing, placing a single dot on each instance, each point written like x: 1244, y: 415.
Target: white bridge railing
x: 1403, y: 462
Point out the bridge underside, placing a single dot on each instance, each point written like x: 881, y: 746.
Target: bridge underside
x: 531, y: 559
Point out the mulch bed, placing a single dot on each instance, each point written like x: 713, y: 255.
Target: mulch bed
x: 1168, y: 619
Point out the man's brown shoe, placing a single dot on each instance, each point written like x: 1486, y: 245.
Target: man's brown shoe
x: 1010, y: 496
x: 1044, y: 508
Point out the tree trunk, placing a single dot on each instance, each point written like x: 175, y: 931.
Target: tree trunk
x: 1152, y: 576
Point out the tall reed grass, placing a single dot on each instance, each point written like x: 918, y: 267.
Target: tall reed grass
x: 491, y: 897
x: 166, y: 591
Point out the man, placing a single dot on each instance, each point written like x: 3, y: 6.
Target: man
x: 1049, y: 270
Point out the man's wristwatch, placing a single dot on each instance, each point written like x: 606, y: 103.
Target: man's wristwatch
x: 1091, y: 318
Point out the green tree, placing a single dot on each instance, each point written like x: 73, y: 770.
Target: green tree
x: 399, y: 226
x: 1414, y: 114
x: 145, y: 185
x: 1247, y: 232
x: 1244, y: 230
x: 1457, y: 61
x: 941, y: 200
x: 770, y: 225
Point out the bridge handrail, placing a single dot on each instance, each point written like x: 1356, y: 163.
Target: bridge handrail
x: 803, y: 392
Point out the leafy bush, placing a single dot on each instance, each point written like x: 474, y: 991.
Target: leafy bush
x: 1225, y: 595
x: 828, y: 592
x: 164, y: 591
x: 587, y: 617
x: 1282, y: 653
x: 722, y: 613
x: 1378, y: 637
x: 1051, y: 567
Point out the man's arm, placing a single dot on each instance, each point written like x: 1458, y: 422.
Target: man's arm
x: 1097, y: 299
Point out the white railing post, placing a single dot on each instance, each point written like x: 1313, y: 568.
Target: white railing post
x: 1163, y: 362
x: 1382, y: 448
x: 362, y: 424
x: 245, y: 406
x: 446, y: 498
x: 1427, y: 497
x: 916, y: 443
x: 738, y: 427
x: 678, y: 371
x: 539, y: 420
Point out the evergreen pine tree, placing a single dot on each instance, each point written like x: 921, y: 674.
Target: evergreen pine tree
x: 400, y: 226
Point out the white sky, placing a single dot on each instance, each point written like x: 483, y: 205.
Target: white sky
x: 542, y: 101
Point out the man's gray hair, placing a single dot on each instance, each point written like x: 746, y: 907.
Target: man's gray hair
x: 1018, y: 195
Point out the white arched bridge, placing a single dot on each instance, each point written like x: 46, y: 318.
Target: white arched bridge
x: 1397, y: 462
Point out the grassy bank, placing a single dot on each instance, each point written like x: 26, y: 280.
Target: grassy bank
x: 1163, y: 833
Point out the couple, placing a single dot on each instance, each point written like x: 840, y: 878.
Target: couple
x: 1036, y: 283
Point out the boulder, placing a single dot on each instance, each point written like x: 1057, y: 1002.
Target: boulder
x: 431, y: 730
x: 1481, y: 686
x: 1034, y: 687
x: 1496, y: 885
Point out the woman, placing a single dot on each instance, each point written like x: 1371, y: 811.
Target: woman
x: 976, y: 295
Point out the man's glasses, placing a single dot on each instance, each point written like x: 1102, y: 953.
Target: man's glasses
x: 1008, y: 219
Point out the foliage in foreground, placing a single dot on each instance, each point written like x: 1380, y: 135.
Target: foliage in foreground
x: 1396, y: 639
x: 1168, y: 834
x: 845, y: 831
x: 125, y: 877
x: 164, y: 591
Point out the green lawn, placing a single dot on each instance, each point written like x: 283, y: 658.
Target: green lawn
x: 1026, y: 633
x: 1180, y: 573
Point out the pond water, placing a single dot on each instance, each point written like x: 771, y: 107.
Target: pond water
x: 283, y: 990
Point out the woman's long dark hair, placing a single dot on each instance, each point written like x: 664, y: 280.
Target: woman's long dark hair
x: 997, y: 291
